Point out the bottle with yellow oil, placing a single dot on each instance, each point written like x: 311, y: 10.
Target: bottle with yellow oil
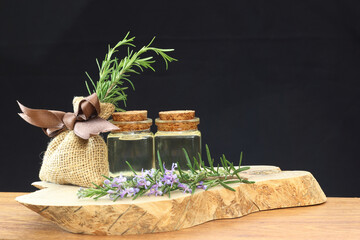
x: 177, y: 130
x: 133, y: 142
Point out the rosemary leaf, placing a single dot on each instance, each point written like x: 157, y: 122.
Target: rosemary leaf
x: 112, y: 70
x: 189, y: 164
x: 130, y: 167
x: 160, y: 163
x: 226, y: 186
x: 210, y: 161
x: 240, y: 170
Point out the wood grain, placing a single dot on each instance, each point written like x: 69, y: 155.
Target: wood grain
x: 338, y: 218
x: 273, y: 189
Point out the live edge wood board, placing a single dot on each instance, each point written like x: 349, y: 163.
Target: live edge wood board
x: 272, y: 189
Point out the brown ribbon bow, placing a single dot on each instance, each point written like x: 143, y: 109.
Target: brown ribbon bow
x: 85, y: 121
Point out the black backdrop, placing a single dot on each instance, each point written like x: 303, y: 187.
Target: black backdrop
x: 278, y: 80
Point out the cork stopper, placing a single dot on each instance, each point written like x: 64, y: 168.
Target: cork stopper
x: 131, y: 121
x: 179, y: 120
x: 177, y: 115
x: 136, y: 115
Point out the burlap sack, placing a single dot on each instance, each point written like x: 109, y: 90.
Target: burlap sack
x: 70, y: 159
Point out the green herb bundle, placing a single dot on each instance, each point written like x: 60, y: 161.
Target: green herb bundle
x: 163, y: 181
x: 114, y: 72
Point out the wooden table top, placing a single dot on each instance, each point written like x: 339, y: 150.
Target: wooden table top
x: 338, y: 218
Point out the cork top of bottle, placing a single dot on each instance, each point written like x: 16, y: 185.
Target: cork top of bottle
x: 131, y: 121
x: 135, y: 115
x: 177, y: 115
x: 179, y: 120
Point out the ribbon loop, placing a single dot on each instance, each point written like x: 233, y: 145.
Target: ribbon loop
x: 69, y: 119
x: 85, y: 121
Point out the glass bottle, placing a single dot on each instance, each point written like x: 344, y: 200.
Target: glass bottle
x: 177, y: 130
x: 133, y: 142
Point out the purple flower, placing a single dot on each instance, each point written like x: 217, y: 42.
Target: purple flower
x: 111, y: 192
x: 173, y: 166
x: 141, y: 178
x: 201, y: 185
x: 145, y: 173
x: 142, y: 182
x: 107, y: 182
x: 154, y: 190
x: 129, y: 192
x: 117, y: 182
x: 150, y: 172
x: 169, y: 176
x: 185, y: 188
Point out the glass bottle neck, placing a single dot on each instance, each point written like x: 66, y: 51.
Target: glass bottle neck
x: 133, y: 132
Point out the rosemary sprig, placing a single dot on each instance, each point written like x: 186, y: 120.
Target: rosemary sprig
x: 164, y: 181
x: 113, y: 72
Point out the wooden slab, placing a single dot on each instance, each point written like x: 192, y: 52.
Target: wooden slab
x: 273, y: 189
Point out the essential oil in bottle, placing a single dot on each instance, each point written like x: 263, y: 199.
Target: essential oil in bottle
x: 177, y: 130
x: 133, y: 143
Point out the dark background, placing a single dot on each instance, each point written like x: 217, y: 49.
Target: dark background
x: 278, y: 80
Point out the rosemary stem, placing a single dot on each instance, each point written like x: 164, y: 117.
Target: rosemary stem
x: 223, y: 178
x: 112, y: 70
